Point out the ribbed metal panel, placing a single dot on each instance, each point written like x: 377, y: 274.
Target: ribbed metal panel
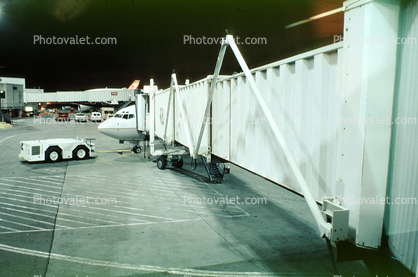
x: 81, y: 96
x: 193, y: 98
x: 401, y: 220
x: 303, y: 94
x: 161, y: 108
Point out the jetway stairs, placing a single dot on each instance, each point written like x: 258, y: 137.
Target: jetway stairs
x: 216, y: 171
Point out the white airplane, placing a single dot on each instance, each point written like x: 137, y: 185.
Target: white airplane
x: 123, y: 126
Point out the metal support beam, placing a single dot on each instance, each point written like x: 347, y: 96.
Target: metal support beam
x: 152, y: 120
x: 183, y: 116
x: 168, y: 111
x: 324, y: 227
x: 211, y: 90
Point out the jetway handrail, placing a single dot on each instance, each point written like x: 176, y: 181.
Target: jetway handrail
x: 310, y: 54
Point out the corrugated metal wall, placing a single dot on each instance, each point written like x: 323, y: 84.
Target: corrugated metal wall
x: 161, y: 108
x: 401, y: 220
x: 303, y: 95
x: 80, y: 96
x: 302, y: 92
x: 192, y: 98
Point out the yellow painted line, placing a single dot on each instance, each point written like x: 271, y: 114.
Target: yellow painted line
x: 113, y: 151
x: 104, y: 160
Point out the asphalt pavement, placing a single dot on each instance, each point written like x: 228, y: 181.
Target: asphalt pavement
x: 119, y: 215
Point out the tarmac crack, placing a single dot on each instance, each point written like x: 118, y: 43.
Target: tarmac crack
x: 55, y: 222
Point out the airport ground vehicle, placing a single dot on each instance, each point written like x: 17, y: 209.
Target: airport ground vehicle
x: 80, y: 117
x: 62, y: 117
x: 95, y: 116
x: 106, y: 111
x: 54, y: 150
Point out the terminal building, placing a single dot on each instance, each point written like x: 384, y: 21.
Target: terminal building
x: 20, y: 101
x: 13, y: 89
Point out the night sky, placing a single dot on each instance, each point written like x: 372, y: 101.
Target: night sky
x: 150, y: 38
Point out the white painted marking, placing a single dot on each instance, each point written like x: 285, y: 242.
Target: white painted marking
x: 61, y: 214
x: 6, y: 138
x: 26, y: 212
x: 21, y: 224
x: 29, y: 219
x: 101, y: 214
x: 45, y: 181
x: 172, y: 270
x: 105, y: 226
x: 7, y: 228
x: 46, y: 191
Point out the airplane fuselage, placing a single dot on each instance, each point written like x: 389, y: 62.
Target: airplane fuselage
x: 122, y: 126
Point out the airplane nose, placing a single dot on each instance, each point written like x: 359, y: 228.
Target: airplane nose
x: 102, y: 128
x: 105, y: 128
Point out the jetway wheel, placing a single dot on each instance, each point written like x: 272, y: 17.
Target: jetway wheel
x: 179, y: 163
x: 161, y: 162
x: 137, y: 149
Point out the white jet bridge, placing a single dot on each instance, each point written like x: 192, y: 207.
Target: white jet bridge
x: 313, y: 124
x: 182, y: 113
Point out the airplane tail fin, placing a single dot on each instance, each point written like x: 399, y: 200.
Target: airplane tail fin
x: 134, y: 85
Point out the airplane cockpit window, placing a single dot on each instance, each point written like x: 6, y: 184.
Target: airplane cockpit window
x: 131, y: 116
x: 125, y: 116
x: 118, y: 115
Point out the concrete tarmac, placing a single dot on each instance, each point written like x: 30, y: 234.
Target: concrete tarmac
x: 119, y: 215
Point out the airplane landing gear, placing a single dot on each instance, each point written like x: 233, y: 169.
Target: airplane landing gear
x: 136, y: 149
x: 171, y: 160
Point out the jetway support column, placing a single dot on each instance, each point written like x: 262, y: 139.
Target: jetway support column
x: 366, y: 101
